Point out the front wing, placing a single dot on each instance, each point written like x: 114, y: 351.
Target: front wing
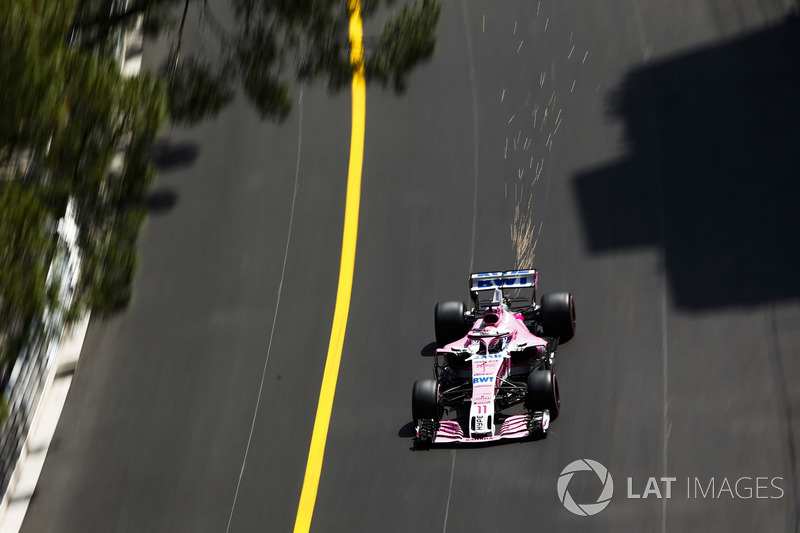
x: 532, y: 425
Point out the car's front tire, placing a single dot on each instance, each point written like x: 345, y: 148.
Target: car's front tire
x: 543, y: 393
x: 425, y: 400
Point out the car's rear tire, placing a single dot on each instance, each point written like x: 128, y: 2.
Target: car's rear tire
x: 558, y: 315
x: 425, y: 400
x: 543, y: 393
x: 450, y: 322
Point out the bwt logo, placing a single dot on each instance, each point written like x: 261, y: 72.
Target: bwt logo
x: 507, y: 282
x: 586, y: 509
x: 487, y: 379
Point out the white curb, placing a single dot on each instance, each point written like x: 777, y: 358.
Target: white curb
x: 34, y: 451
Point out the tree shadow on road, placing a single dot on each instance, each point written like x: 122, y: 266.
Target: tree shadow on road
x: 171, y: 155
x: 160, y: 200
x: 715, y: 146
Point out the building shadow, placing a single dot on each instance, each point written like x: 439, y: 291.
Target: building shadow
x: 713, y: 174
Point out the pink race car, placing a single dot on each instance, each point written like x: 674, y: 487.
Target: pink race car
x: 493, y: 367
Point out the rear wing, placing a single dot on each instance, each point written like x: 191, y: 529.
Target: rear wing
x: 518, y: 288
x: 511, y: 279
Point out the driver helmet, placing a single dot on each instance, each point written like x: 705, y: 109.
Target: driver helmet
x: 489, y: 331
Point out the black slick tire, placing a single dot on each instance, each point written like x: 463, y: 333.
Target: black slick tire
x: 543, y: 393
x: 558, y: 315
x: 450, y: 322
x: 425, y: 400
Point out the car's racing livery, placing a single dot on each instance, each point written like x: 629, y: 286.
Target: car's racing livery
x: 493, y: 369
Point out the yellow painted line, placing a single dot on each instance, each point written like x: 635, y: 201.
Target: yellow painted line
x: 308, y: 497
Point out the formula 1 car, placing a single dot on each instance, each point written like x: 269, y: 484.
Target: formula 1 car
x: 493, y: 369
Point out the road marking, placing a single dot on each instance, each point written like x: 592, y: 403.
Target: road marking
x: 277, y: 307
x: 449, y: 491
x: 308, y: 496
x: 666, y: 426
x: 472, y: 81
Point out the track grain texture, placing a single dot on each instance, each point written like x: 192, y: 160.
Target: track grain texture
x: 643, y: 154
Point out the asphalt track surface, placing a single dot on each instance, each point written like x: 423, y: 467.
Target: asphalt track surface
x: 660, y: 190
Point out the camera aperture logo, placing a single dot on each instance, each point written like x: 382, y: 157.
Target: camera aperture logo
x: 586, y: 509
